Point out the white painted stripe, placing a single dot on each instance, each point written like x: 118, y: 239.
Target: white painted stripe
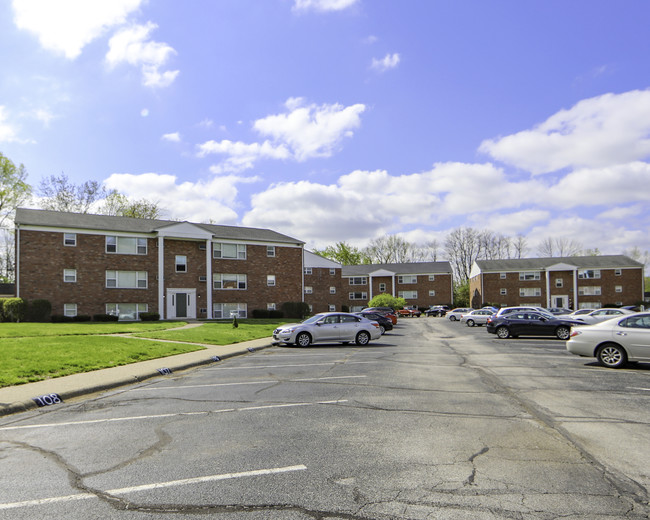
x: 157, y: 485
x: 639, y: 388
x: 161, y: 416
x: 248, y: 367
x: 146, y: 388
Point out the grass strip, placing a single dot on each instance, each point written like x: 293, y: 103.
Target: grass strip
x: 32, y: 330
x: 26, y: 360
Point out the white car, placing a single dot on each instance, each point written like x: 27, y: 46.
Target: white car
x: 613, y: 342
x: 477, y: 317
x: 601, y: 315
x: 457, y: 313
x: 521, y: 308
x: 328, y: 327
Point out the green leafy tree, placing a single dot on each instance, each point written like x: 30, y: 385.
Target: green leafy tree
x: 344, y: 254
x: 119, y: 205
x: 14, y: 190
x: 461, y: 294
x: 387, y: 300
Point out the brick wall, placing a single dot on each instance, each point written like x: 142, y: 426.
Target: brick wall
x: 320, y: 280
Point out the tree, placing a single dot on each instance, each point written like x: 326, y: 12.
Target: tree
x: 390, y: 249
x: 59, y: 194
x: 520, y: 246
x: 387, y: 300
x: 559, y: 247
x: 14, y: 190
x: 344, y: 254
x: 117, y: 204
x: 463, y: 248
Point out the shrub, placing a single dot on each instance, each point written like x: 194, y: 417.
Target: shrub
x: 276, y: 315
x: 105, y: 317
x: 261, y: 314
x: 60, y: 318
x: 2, y: 312
x: 15, y: 309
x: 149, y: 316
x: 81, y: 317
x: 295, y: 309
x: 39, y: 310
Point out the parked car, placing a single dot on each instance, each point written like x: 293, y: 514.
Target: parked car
x: 559, y: 311
x: 477, y: 317
x: 389, y: 312
x: 613, y: 342
x: 574, y: 314
x: 457, y: 313
x: 385, y: 322
x: 522, y: 308
x: 436, y: 310
x: 530, y: 323
x: 341, y: 327
x: 601, y: 315
x: 409, y: 312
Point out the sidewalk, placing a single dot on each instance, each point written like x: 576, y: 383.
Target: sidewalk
x: 20, y: 398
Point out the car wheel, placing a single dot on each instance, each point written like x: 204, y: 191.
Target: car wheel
x: 611, y: 356
x: 382, y: 329
x: 470, y: 323
x: 503, y: 332
x: 303, y: 339
x: 452, y: 318
x: 563, y: 333
x: 363, y: 338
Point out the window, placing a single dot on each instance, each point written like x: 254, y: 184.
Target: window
x: 358, y: 296
x: 69, y: 239
x: 618, y: 272
x: 638, y: 322
x: 559, y: 282
x: 309, y: 289
x: 503, y: 292
x: 70, y: 309
x: 307, y: 270
x: 229, y: 310
x: 332, y: 271
x: 530, y: 291
x: 70, y: 275
x: 126, y: 279
x: 126, y: 311
x: 382, y: 287
x: 270, y: 280
x: 229, y: 281
x: 331, y: 308
x: 432, y: 293
x: 229, y: 251
x: 270, y: 306
x: 407, y: 279
x: 590, y: 305
x: 332, y: 290
x: 502, y: 276
x: 359, y: 280
x: 126, y: 245
x: 181, y: 263
x: 618, y: 288
x: 432, y: 278
x: 588, y: 273
x: 529, y: 275
x: 270, y: 250
x: 408, y: 295
x: 589, y: 290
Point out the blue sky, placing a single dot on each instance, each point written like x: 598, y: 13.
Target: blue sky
x: 343, y: 120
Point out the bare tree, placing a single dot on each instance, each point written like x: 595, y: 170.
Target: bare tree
x: 59, y: 194
x: 389, y: 249
x: 463, y: 248
x: 119, y: 205
x: 493, y: 246
x: 520, y: 246
x: 559, y: 247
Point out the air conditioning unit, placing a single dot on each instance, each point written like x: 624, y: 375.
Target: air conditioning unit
x: 203, y: 278
x: 202, y: 247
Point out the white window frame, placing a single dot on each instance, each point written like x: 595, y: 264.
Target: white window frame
x: 358, y: 280
x: 332, y: 290
x: 559, y: 282
x: 70, y: 309
x: 126, y: 245
x: 382, y: 287
x: 432, y: 292
x: 530, y: 292
x: 331, y: 308
x: 270, y: 306
x: 270, y: 251
x: 432, y: 277
x: 362, y: 295
x: 270, y: 280
x: 502, y: 276
x: 70, y: 239
x: 589, y: 274
x: 408, y: 295
x: 113, y: 309
x: 218, y: 250
x: 180, y: 261
x: 618, y: 288
x: 528, y: 276
x: 332, y: 271
x: 70, y: 275
x: 590, y: 290
x: 618, y: 272
x: 308, y: 270
x: 407, y: 279
x: 219, y: 309
x: 309, y: 289
x: 503, y: 291
x: 113, y: 279
x: 240, y: 280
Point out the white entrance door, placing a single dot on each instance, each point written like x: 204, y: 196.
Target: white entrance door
x: 181, y: 303
x: 560, y: 301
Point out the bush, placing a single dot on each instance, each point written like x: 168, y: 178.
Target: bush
x: 295, y: 309
x: 105, y: 317
x: 81, y: 317
x: 15, y: 309
x: 39, y: 310
x: 261, y: 314
x: 60, y: 318
x: 276, y: 315
x: 2, y: 312
x: 149, y: 316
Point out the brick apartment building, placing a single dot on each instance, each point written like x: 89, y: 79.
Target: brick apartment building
x: 97, y: 264
x: 575, y: 282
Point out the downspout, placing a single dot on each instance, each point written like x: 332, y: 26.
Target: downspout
x: 575, y: 289
x: 17, y: 275
x: 208, y: 276
x: 548, y: 290
x: 161, y: 277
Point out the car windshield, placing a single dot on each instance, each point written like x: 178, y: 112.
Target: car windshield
x: 313, y: 319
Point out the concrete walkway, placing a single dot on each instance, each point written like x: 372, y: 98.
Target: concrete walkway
x: 20, y: 398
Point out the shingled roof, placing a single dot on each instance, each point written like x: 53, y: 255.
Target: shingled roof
x: 411, y: 268
x: 539, y: 264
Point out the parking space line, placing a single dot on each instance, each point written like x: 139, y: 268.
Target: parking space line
x: 165, y: 415
x: 270, y: 381
x: 292, y: 366
x: 157, y: 485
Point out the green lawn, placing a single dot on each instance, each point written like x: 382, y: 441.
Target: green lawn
x: 36, y: 351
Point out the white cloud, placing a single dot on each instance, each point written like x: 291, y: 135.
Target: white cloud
x: 194, y: 201
x: 390, y: 61
x: 242, y: 156
x: 67, y: 26
x: 144, y: 112
x: 621, y: 213
x: 174, y: 137
x: 132, y: 45
x: 322, y: 5
x: 7, y: 131
x: 511, y: 224
x: 598, y: 132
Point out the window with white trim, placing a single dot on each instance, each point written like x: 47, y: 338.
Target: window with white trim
x: 358, y: 296
x: 70, y: 309
x: 358, y: 280
x: 332, y: 271
x: 529, y: 275
x: 432, y: 293
x: 229, y: 281
x: 559, y: 282
x: 270, y: 306
x: 503, y: 291
x: 270, y: 280
x: 502, y: 276
x: 69, y: 239
x: 181, y: 263
x: 332, y: 290
x: 126, y: 279
x: 432, y: 277
x: 126, y: 311
x: 69, y: 275
x: 126, y: 245
x: 270, y: 251
x: 618, y: 288
x: 331, y: 308
x: 589, y: 305
x: 229, y: 251
x: 308, y: 270
x: 530, y: 291
x: 309, y: 289
x: 584, y: 274
x: 593, y: 290
x: 229, y: 310
x: 382, y: 287
x: 408, y: 278
x: 618, y: 272
x: 407, y: 295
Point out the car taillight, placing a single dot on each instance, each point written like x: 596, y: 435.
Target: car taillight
x: 575, y: 333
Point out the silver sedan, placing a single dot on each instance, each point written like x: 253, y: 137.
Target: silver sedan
x: 328, y: 327
x: 477, y: 317
x: 613, y: 342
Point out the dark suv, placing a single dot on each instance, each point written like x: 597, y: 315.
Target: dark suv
x: 437, y: 310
